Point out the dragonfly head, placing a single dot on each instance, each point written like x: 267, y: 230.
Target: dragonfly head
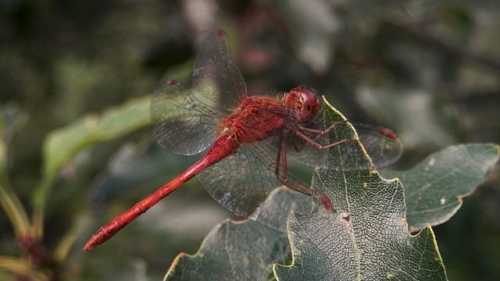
x: 305, y: 102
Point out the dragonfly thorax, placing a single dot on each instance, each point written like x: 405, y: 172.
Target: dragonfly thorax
x: 257, y: 118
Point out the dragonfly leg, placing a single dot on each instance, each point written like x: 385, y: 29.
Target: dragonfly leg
x: 295, y: 145
x: 317, y: 145
x: 321, y: 132
x: 318, y: 134
x: 281, y: 159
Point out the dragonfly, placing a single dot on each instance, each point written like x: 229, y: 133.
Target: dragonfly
x: 249, y: 138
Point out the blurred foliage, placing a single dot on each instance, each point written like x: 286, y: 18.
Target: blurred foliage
x: 428, y: 69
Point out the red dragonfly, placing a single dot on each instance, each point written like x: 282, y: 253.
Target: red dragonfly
x: 249, y: 144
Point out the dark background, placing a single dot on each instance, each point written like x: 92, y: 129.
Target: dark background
x: 428, y: 69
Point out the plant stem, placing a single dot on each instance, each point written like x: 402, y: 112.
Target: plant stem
x: 13, y: 208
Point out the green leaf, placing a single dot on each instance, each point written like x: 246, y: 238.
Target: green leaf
x: 367, y: 237
x: 371, y: 242
x: 246, y: 249
x: 434, y: 189
x: 232, y: 251
x: 62, y: 145
x: 275, y: 210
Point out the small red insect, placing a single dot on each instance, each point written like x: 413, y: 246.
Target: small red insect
x: 249, y: 144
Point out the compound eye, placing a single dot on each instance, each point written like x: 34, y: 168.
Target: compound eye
x: 306, y: 103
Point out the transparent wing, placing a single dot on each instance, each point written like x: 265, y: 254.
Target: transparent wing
x: 241, y: 182
x: 302, y: 152
x: 345, y: 156
x: 382, y: 145
x: 215, y: 75
x: 182, y: 121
